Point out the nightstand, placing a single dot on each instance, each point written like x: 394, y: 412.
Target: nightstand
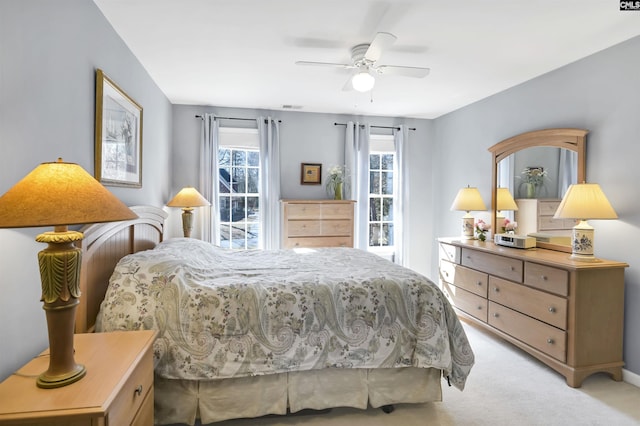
x: 117, y: 390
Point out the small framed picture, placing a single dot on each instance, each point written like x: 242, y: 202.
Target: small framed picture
x: 310, y: 174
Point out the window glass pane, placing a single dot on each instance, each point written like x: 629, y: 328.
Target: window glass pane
x: 387, y: 183
x: 237, y: 209
x: 387, y: 234
x: 374, y: 234
x: 253, y: 212
x: 239, y: 180
x: 252, y: 181
x: 374, y: 161
x: 239, y: 158
x: 374, y: 209
x: 224, y: 203
x: 225, y: 181
x: 253, y: 158
x: 374, y: 182
x: 253, y: 232
x: 238, y: 232
x: 387, y: 209
x: 224, y: 157
x: 224, y: 236
x: 387, y: 162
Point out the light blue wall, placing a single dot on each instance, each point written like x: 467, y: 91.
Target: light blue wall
x: 49, y: 51
x: 600, y: 93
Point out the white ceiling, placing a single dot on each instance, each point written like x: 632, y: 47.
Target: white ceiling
x: 242, y: 53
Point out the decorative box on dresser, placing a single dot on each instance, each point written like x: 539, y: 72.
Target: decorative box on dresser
x: 117, y: 389
x: 567, y: 314
x: 317, y: 223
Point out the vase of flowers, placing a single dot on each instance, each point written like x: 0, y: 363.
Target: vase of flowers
x: 509, y: 227
x: 533, y: 178
x: 481, y: 229
x: 336, y: 182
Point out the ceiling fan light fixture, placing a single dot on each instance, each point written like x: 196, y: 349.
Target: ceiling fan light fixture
x: 363, y: 81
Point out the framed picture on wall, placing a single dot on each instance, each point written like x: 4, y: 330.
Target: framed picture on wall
x: 311, y: 174
x: 118, y: 131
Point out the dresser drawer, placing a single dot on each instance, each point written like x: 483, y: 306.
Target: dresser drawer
x: 539, y: 335
x: 548, y: 207
x: 134, y: 391
x: 504, y: 267
x: 449, y: 253
x: 466, y: 301
x: 548, y: 223
x: 317, y: 242
x: 303, y: 228
x: 468, y: 279
x: 540, y: 305
x: 547, y: 278
x: 336, y: 227
x: 303, y: 211
x: 337, y: 211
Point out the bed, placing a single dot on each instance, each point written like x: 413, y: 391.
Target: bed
x: 245, y: 334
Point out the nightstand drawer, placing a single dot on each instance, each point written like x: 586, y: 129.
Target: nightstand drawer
x: 317, y: 242
x: 337, y: 211
x: 303, y: 211
x: 134, y: 391
x: 303, y: 228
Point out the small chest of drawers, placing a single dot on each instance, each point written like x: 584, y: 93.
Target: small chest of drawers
x: 317, y: 223
x: 117, y: 389
x: 568, y: 314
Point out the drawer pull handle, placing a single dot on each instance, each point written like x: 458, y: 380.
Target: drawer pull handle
x: 496, y: 315
x: 479, y: 283
x: 544, y: 278
x: 496, y: 289
x: 138, y: 390
x: 479, y: 308
x: 552, y: 309
x: 550, y: 341
x: 513, y: 269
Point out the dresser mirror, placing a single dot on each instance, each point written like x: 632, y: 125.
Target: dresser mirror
x: 559, y: 153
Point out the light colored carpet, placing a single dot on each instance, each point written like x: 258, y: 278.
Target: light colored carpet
x: 505, y: 387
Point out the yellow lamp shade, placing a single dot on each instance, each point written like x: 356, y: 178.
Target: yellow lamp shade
x: 585, y: 201
x: 468, y: 199
x: 188, y: 197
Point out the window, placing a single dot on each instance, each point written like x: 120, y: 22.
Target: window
x: 381, y: 193
x: 239, y: 188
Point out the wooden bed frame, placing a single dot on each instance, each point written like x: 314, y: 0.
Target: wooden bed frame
x: 182, y: 401
x: 104, y: 244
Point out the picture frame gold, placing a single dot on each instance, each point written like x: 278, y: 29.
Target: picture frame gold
x: 118, y: 135
x: 310, y: 173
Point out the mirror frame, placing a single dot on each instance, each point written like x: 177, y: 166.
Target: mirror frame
x: 567, y: 138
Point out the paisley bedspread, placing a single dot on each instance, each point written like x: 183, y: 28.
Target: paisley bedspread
x: 222, y: 313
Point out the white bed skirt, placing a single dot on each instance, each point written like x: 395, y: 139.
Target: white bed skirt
x: 182, y: 401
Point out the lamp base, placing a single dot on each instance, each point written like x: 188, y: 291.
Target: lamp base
x: 187, y: 221
x: 60, y: 273
x: 582, y: 243
x: 467, y: 227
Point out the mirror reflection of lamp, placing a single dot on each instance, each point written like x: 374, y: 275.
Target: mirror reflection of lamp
x: 584, y: 201
x: 188, y: 198
x: 504, y: 202
x: 468, y: 199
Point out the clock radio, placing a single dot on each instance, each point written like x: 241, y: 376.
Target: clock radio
x: 512, y: 240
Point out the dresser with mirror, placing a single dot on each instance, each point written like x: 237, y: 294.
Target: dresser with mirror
x: 566, y: 313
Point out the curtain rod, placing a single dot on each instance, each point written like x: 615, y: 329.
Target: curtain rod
x: 236, y: 118
x: 375, y: 127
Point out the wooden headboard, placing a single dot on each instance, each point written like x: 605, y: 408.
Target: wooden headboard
x: 104, y: 244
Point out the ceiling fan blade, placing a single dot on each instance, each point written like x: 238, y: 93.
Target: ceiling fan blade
x: 416, y: 72
x: 381, y: 42
x: 325, y: 64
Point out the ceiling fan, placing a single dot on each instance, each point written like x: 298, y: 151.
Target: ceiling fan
x: 363, y: 62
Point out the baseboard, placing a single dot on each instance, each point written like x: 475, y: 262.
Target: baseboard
x: 630, y: 377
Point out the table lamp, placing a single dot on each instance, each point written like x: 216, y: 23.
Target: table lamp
x: 188, y: 198
x: 504, y: 202
x: 60, y: 194
x: 468, y: 199
x: 584, y: 201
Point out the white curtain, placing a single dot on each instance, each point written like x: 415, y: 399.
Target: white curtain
x: 356, y: 156
x: 209, y: 178
x: 401, y: 199
x: 269, y: 134
x: 567, y: 171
